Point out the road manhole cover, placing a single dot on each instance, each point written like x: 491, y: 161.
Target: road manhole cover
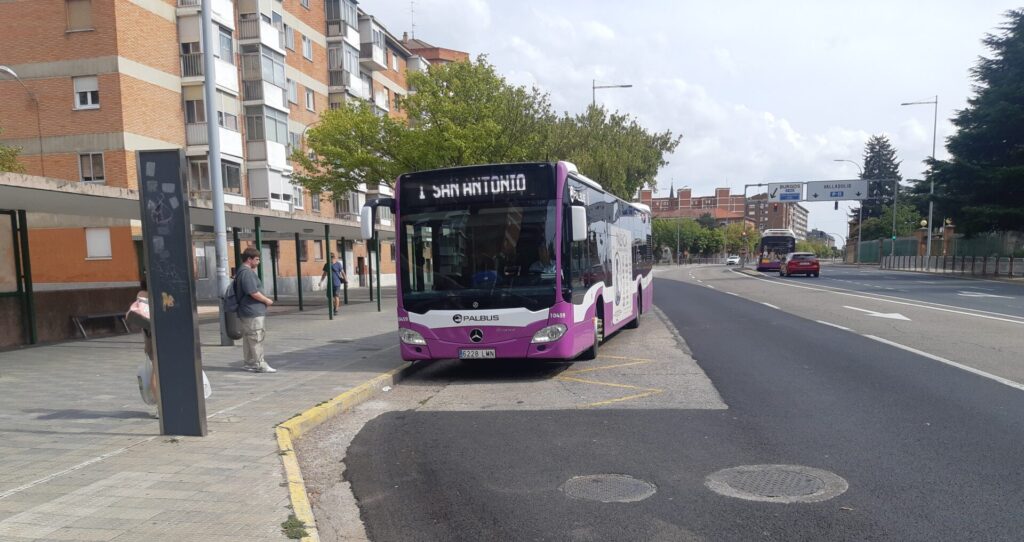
x: 776, y: 483
x: 608, y: 488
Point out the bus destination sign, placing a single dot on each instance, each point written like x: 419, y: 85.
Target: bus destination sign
x: 477, y: 184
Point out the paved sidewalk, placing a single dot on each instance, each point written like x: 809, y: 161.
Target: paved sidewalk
x: 81, y: 457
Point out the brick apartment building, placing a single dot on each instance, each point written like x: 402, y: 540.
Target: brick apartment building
x: 777, y: 215
x: 724, y: 207
x: 99, y: 80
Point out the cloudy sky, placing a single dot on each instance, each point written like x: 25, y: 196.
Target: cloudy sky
x: 761, y: 91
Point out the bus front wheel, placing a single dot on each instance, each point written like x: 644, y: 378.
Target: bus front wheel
x: 635, y: 323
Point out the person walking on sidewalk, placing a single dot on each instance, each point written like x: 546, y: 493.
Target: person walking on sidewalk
x: 337, y: 279
x: 252, y: 312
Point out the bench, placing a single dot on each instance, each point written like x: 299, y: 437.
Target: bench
x: 117, y: 316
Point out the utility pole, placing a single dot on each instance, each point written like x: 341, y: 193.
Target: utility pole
x: 217, y: 186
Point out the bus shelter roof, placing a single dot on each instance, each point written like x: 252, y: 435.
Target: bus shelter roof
x: 56, y: 196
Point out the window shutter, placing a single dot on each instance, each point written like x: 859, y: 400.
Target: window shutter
x: 79, y: 14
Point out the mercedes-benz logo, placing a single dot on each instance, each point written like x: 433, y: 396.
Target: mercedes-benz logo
x: 476, y: 335
x: 476, y: 304
x: 457, y: 318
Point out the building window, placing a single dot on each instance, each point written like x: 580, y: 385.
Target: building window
x: 227, y: 111
x: 91, y: 167
x: 289, y: 38
x: 97, y: 244
x: 298, y: 197
x: 87, y: 92
x: 310, y: 100
x: 231, y: 176
x: 305, y: 3
x: 79, y: 14
x: 350, y: 13
x: 303, y: 251
x: 318, y: 251
x: 293, y: 91
x: 392, y: 248
x: 394, y: 61
x: 266, y: 124
x: 314, y: 202
x: 199, y: 178
x: 273, y: 67
x: 226, y: 50
x: 195, y: 111
x: 307, y: 48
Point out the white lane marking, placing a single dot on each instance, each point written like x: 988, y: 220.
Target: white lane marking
x: 79, y: 466
x: 844, y: 328
x: 901, y: 301
x: 889, y: 315
x: 700, y: 281
x: 951, y: 363
x: 733, y: 293
x: 710, y: 286
x: 769, y: 305
x: 981, y: 294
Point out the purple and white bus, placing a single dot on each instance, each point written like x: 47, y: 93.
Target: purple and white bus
x: 518, y: 261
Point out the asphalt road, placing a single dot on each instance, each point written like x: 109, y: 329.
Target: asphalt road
x: 929, y: 451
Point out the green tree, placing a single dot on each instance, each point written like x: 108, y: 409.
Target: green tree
x: 613, y: 149
x: 737, y: 236
x: 819, y: 249
x: 879, y: 163
x: 9, y: 158
x: 707, y: 221
x: 908, y: 219
x: 690, y: 236
x: 981, y: 186
x: 464, y: 113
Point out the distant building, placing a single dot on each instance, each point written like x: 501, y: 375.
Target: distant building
x: 724, y: 207
x: 819, y: 236
x: 432, y: 53
x: 777, y: 215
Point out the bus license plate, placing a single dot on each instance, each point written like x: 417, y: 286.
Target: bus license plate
x: 477, y: 354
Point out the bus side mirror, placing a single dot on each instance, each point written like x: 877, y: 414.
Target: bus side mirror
x: 366, y: 222
x: 579, y: 223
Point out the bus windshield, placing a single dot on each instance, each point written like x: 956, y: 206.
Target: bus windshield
x: 479, y: 255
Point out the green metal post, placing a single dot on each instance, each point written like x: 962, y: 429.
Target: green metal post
x: 298, y: 270
x: 26, y: 259
x: 377, y: 255
x: 330, y: 272
x: 19, y: 279
x: 238, y: 248
x: 259, y: 245
x: 273, y: 266
x: 344, y: 266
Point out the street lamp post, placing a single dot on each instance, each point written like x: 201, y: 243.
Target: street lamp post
x: 931, y: 188
x: 39, y: 124
x: 844, y: 241
x: 593, y: 90
x: 860, y: 209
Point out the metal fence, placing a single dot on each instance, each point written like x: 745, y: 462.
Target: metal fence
x: 991, y: 266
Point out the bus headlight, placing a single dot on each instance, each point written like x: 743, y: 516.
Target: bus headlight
x: 549, y: 334
x: 409, y: 336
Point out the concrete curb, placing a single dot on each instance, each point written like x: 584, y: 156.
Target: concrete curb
x: 287, y: 432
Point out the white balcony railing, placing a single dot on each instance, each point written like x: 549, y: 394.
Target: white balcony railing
x: 249, y: 28
x: 192, y: 65
x: 196, y: 133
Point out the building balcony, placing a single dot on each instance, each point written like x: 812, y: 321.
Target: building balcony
x: 340, y: 78
x: 196, y: 133
x: 190, y: 3
x: 192, y: 65
x: 255, y: 28
x: 371, y: 57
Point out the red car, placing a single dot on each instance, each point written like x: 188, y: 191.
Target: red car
x: 800, y: 263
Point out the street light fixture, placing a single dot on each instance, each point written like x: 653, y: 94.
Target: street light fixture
x: 594, y: 86
x: 931, y: 188
x: 39, y: 125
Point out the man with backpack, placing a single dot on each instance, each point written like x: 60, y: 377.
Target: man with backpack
x: 252, y: 311
x: 337, y: 272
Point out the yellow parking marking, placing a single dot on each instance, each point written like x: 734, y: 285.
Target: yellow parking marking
x: 599, y: 383
x: 590, y: 369
x: 625, y: 358
x: 620, y: 399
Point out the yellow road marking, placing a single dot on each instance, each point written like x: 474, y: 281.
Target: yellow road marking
x: 620, y: 399
x: 625, y: 358
x: 596, y: 382
x: 590, y: 369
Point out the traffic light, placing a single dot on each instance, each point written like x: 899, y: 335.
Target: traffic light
x: 775, y: 207
x: 837, y: 205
